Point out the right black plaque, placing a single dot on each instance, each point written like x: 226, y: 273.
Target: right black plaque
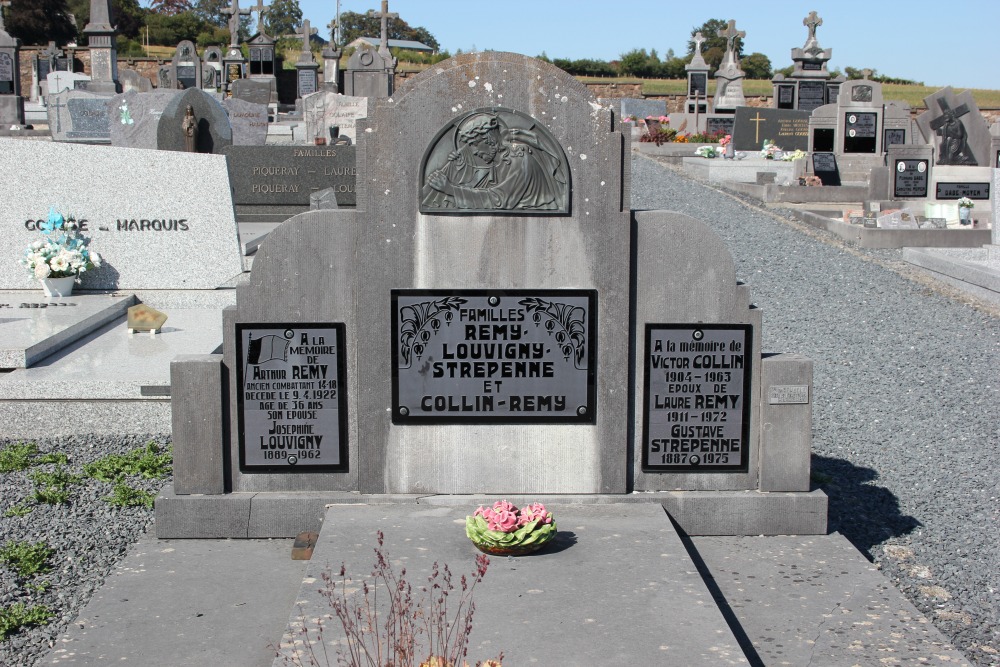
x: 696, y: 416
x: 911, y: 178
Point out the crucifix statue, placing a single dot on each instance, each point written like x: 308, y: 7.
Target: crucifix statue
x: 260, y: 9
x: 812, y: 22
x: 235, y: 14
x: 3, y: 3
x: 731, y: 34
x: 698, y: 41
x: 383, y: 48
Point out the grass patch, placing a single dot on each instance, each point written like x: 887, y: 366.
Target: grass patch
x: 149, y: 462
x: 26, y: 559
x: 53, y: 487
x: 17, y: 616
x: 124, y: 495
x: 24, y: 455
x: 18, y: 510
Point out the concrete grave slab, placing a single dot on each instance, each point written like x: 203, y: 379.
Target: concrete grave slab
x: 149, y: 232
x: 32, y: 327
x: 607, y: 621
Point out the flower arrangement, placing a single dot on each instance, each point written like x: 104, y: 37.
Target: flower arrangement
x: 770, y: 150
x: 662, y: 120
x: 965, y: 202
x: 629, y: 118
x: 794, y: 155
x: 707, y: 151
x: 726, y: 140
x: 506, y: 530
x: 62, y: 253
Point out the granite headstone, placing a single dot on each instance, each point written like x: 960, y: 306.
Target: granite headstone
x: 213, y: 130
x: 134, y: 117
x: 79, y: 116
x: 248, y: 120
x: 788, y: 128
x: 288, y: 175
x: 324, y: 110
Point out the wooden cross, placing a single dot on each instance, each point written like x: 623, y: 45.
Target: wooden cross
x: 812, y: 22
x: 385, y: 16
x: 698, y: 41
x: 731, y: 34
x: 3, y: 3
x: 235, y: 14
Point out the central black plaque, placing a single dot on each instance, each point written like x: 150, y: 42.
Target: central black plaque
x: 699, y: 84
x: 697, y: 410
x: 291, y: 403
x: 911, y: 178
x: 860, y: 132
x: 479, y: 356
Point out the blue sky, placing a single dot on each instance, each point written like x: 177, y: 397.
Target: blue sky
x: 939, y: 42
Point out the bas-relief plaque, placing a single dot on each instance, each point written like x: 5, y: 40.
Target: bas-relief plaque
x: 696, y: 416
x: 292, y: 407
x: 494, y: 160
x: 478, y: 356
x: 911, y: 178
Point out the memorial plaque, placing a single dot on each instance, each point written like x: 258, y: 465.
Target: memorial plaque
x: 90, y: 118
x: 786, y: 97
x: 825, y: 167
x: 958, y: 190
x: 911, y: 178
x: 292, y: 407
x: 893, y: 136
x: 788, y: 128
x: 697, y: 410
x: 287, y: 175
x: 832, y: 93
x: 699, y: 85
x: 6, y: 74
x: 186, y: 76
x: 715, y: 124
x: 812, y: 95
x: 812, y: 66
x: 788, y: 394
x: 478, y: 356
x: 860, y: 132
x: 307, y: 82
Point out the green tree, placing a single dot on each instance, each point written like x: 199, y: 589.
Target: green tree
x: 354, y: 25
x: 170, y: 7
x: 283, y: 18
x: 39, y: 21
x: 756, y: 66
x: 210, y: 11
x: 168, y: 30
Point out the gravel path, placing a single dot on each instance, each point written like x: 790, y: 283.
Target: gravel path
x: 905, y: 413
x: 906, y: 409
x: 88, y: 535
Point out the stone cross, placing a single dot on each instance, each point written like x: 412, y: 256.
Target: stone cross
x: 57, y: 105
x: 812, y: 22
x: 3, y: 3
x: 698, y: 41
x: 731, y: 34
x: 260, y: 9
x: 235, y: 14
x: 383, y: 48
x: 306, y: 33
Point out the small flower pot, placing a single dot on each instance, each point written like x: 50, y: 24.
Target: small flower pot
x: 516, y: 550
x: 963, y: 214
x: 57, y: 287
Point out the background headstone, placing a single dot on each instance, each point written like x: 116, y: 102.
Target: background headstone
x: 787, y: 128
x: 214, y: 132
x: 137, y: 217
x: 131, y: 80
x: 968, y: 145
x: 79, y: 116
x: 368, y: 74
x: 248, y: 121
x: 256, y: 91
x: 323, y: 110
x: 59, y: 81
x: 134, y: 117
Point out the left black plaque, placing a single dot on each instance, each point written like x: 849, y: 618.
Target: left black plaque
x: 291, y: 400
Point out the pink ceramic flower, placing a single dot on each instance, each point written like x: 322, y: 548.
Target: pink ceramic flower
x: 504, y: 506
x: 504, y: 521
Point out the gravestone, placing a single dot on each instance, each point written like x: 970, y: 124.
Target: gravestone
x: 508, y: 315
x: 58, y: 81
x: 49, y: 60
x: 807, y: 87
x: 910, y: 170
x: 956, y: 128
x: 148, y: 236
x: 213, y: 130
x: 212, y: 60
x: 254, y: 91
x: 186, y: 66
x: 825, y: 167
x: 248, y: 121
x: 640, y: 108
x: 729, y: 76
x: 134, y: 117
x: 79, y: 116
x: 788, y: 129
x: 103, y: 55
x: 859, y: 123
x: 306, y: 68
x: 368, y: 74
x: 131, y: 80
x: 288, y: 175
x: 697, y: 80
x: 11, y: 101
x: 323, y: 111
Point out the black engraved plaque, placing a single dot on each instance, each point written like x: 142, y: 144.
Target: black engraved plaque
x: 715, y: 125
x: 811, y: 95
x: 699, y: 84
x: 860, y: 132
x: 959, y: 190
x: 291, y: 402
x: 696, y: 416
x: 478, y: 356
x: 892, y: 136
x: 911, y: 178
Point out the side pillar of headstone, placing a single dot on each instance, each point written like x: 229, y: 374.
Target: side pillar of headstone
x: 11, y: 101
x: 331, y: 70
x: 103, y: 56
